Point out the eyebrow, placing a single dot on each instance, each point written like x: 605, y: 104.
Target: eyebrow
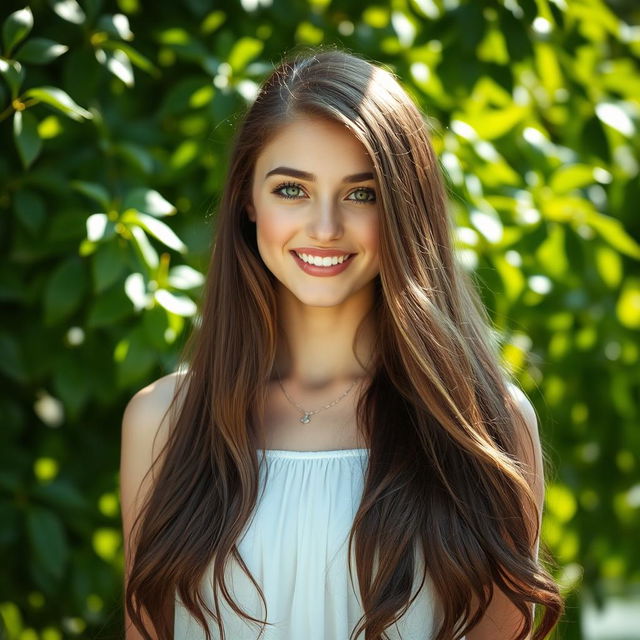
x: 305, y: 175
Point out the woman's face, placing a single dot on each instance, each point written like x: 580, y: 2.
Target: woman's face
x: 314, y: 193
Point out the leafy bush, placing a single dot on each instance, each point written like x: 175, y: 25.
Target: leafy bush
x: 115, y: 125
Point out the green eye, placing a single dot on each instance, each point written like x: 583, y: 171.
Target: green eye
x: 369, y: 198
x: 368, y: 192
x: 286, y: 185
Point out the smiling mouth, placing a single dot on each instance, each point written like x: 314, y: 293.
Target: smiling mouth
x: 322, y: 270
x: 320, y: 261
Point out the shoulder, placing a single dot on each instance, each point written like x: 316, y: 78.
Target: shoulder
x: 528, y: 412
x: 528, y: 443
x: 145, y: 411
x: 525, y: 406
x: 145, y: 429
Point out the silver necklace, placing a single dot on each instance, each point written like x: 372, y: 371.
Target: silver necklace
x: 306, y: 418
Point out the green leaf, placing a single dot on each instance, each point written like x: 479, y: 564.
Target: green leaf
x: 144, y: 249
x: 12, y: 287
x: 494, y: 47
x: 184, y: 277
x: 155, y: 227
x: 30, y: 209
x: 212, y: 21
x: 178, y: 97
x: 70, y: 381
x: 25, y: 134
x: 161, y: 231
x: 155, y: 322
x: 137, y: 155
x: 13, y: 73
x: 561, y: 502
x: 616, y: 116
x: 117, y: 63
x: 99, y: 227
x: 512, y: 277
x: 628, y: 306
x: 40, y: 51
x: 552, y: 252
x: 48, y: 540
x: 308, y: 33
x: 60, y: 100
x: 620, y: 77
x: 68, y: 10
x: 60, y: 493
x: 11, y: 622
x: 565, y: 208
x: 609, y: 265
x: 178, y: 304
x: 16, y: 26
x: 175, y: 36
x: 569, y: 177
x: 186, y: 152
x: 135, y: 56
x: 116, y: 25
x: 492, y: 124
x: 111, y: 307
x: 11, y: 358
x: 612, y: 230
x: 136, y: 288
x: 41, y: 578
x: 108, y: 265
x: 65, y: 290
x: 9, y: 526
x: 95, y: 191
x: 548, y: 66
x: 147, y: 201
x: 137, y: 358
x: 244, y: 50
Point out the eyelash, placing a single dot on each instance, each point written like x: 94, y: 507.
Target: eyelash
x: 293, y: 184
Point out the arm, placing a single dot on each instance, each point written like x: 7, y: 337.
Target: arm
x: 142, y: 422
x: 502, y: 620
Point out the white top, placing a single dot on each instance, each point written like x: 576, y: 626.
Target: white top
x: 296, y: 549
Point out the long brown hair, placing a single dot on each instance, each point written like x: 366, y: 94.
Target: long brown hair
x: 445, y: 481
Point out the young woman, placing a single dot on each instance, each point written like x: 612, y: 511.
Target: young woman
x: 345, y: 455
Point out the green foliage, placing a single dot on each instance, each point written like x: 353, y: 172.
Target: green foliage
x: 115, y: 125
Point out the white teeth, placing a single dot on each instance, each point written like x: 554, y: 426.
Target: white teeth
x: 322, y: 262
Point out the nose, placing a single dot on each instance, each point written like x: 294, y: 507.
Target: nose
x: 326, y: 222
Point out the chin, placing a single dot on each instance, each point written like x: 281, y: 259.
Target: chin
x: 320, y: 303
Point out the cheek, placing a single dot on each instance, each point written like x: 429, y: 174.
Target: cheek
x: 370, y: 233
x: 272, y: 227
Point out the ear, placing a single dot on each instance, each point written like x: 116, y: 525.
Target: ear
x: 251, y: 211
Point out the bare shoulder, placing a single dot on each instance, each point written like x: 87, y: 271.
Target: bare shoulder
x: 529, y: 440
x: 144, y: 434
x: 146, y: 419
x: 145, y: 430
x: 525, y: 406
x: 530, y: 448
x: 156, y: 396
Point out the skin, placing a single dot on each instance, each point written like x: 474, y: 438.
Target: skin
x: 319, y: 315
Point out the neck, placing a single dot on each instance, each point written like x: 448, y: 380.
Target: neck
x: 324, y: 347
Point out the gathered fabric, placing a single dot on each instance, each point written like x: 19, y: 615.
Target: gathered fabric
x: 295, y: 545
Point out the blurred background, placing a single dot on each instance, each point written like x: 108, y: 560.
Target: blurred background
x: 115, y: 121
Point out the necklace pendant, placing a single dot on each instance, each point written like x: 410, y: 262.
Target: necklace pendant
x: 306, y: 418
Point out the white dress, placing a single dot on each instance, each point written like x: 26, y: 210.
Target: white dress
x: 295, y: 546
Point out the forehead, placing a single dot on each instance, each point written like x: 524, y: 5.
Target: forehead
x: 307, y: 142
